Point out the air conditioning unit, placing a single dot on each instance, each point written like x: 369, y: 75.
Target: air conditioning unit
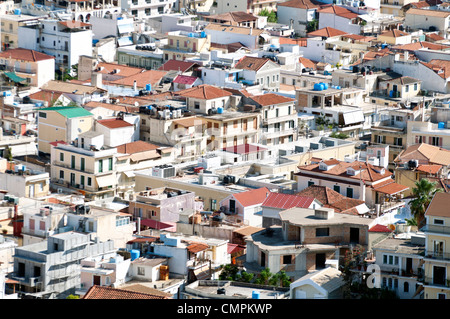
x: 163, y: 171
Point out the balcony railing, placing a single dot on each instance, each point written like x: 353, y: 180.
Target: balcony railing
x: 431, y: 281
x: 437, y: 255
x: 436, y: 229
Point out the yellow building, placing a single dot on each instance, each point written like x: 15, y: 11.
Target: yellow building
x: 436, y: 266
x: 182, y: 45
x: 89, y: 171
x: 10, y: 24
x: 62, y: 124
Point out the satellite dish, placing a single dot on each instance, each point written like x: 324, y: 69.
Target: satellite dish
x: 136, y: 103
x: 222, y: 216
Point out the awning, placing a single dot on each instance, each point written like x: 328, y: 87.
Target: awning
x: 353, y: 117
x: 104, y: 181
x: 125, y: 28
x: 391, y: 188
x: 14, y: 77
x: 142, y: 156
x: 129, y: 174
x: 125, y: 41
x: 362, y: 209
x: 156, y: 224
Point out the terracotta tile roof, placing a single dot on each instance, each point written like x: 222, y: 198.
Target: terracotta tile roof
x: 307, y: 63
x: 99, y: 292
x: 197, y: 247
x: 431, y: 169
x: 339, y: 11
x: 286, y: 201
x: 204, y: 92
x: 271, y: 99
x: 152, y: 77
x: 251, y: 63
x: 426, y: 154
x: 389, y: 187
x: 25, y: 54
x: 434, y: 37
x: 252, y: 197
x: 380, y: 229
x: 301, y: 4
x: 146, y: 290
x: 175, y: 65
x: 118, y: 69
x: 185, y: 79
x: 234, y: 248
x: 136, y: 147
x: 332, y: 199
x: 114, y: 123
x: 233, y: 16
x: 420, y: 45
x: 429, y: 13
x: 368, y: 173
x: 394, y: 33
x: 45, y: 96
x: 326, y: 32
x: 358, y: 37
x: 439, y: 205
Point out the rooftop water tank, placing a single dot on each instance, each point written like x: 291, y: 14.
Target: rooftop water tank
x: 17, y: 11
x: 255, y: 294
x: 148, y: 87
x: 219, y: 110
x: 325, y: 86
x: 318, y: 87
x: 134, y: 254
x: 203, y: 34
x: 441, y: 125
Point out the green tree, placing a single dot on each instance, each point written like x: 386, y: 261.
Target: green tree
x: 271, y: 15
x: 422, y: 194
x: 312, y: 25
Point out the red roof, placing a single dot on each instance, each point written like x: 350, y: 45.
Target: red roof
x: 25, y: 54
x: 286, y: 201
x: 243, y: 149
x: 99, y: 292
x: 252, y: 197
x: 114, y: 123
x: 156, y: 224
x: 234, y: 248
x: 380, y: 229
x: 185, y: 79
x: 432, y: 169
x: 57, y: 142
x: 174, y: 65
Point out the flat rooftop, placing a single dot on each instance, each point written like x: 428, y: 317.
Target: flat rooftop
x: 400, y: 246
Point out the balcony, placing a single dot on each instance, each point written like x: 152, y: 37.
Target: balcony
x: 436, y: 229
x: 279, y: 119
x: 437, y: 255
x: 432, y: 281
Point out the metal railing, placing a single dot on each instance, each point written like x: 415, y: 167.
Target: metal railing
x: 436, y: 229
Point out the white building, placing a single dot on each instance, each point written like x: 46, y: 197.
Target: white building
x: 146, y: 8
x: 65, y: 40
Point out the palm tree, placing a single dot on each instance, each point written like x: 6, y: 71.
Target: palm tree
x: 423, y: 194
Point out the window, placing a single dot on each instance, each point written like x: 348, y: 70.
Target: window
x: 196, y: 105
x: 61, y: 157
x: 100, y: 166
x: 406, y: 287
x: 398, y: 141
x: 141, y: 271
x: 287, y: 259
x: 61, y: 174
x: 82, y: 180
x: 110, y: 164
x: 72, y: 163
x: 89, y: 181
x: 322, y: 232
x: 82, y: 164
x: 350, y: 192
x: 438, y: 221
x: 337, y: 188
x: 310, y: 183
x: 43, y: 115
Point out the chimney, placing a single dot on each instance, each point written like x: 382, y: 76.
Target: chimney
x: 135, y: 85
